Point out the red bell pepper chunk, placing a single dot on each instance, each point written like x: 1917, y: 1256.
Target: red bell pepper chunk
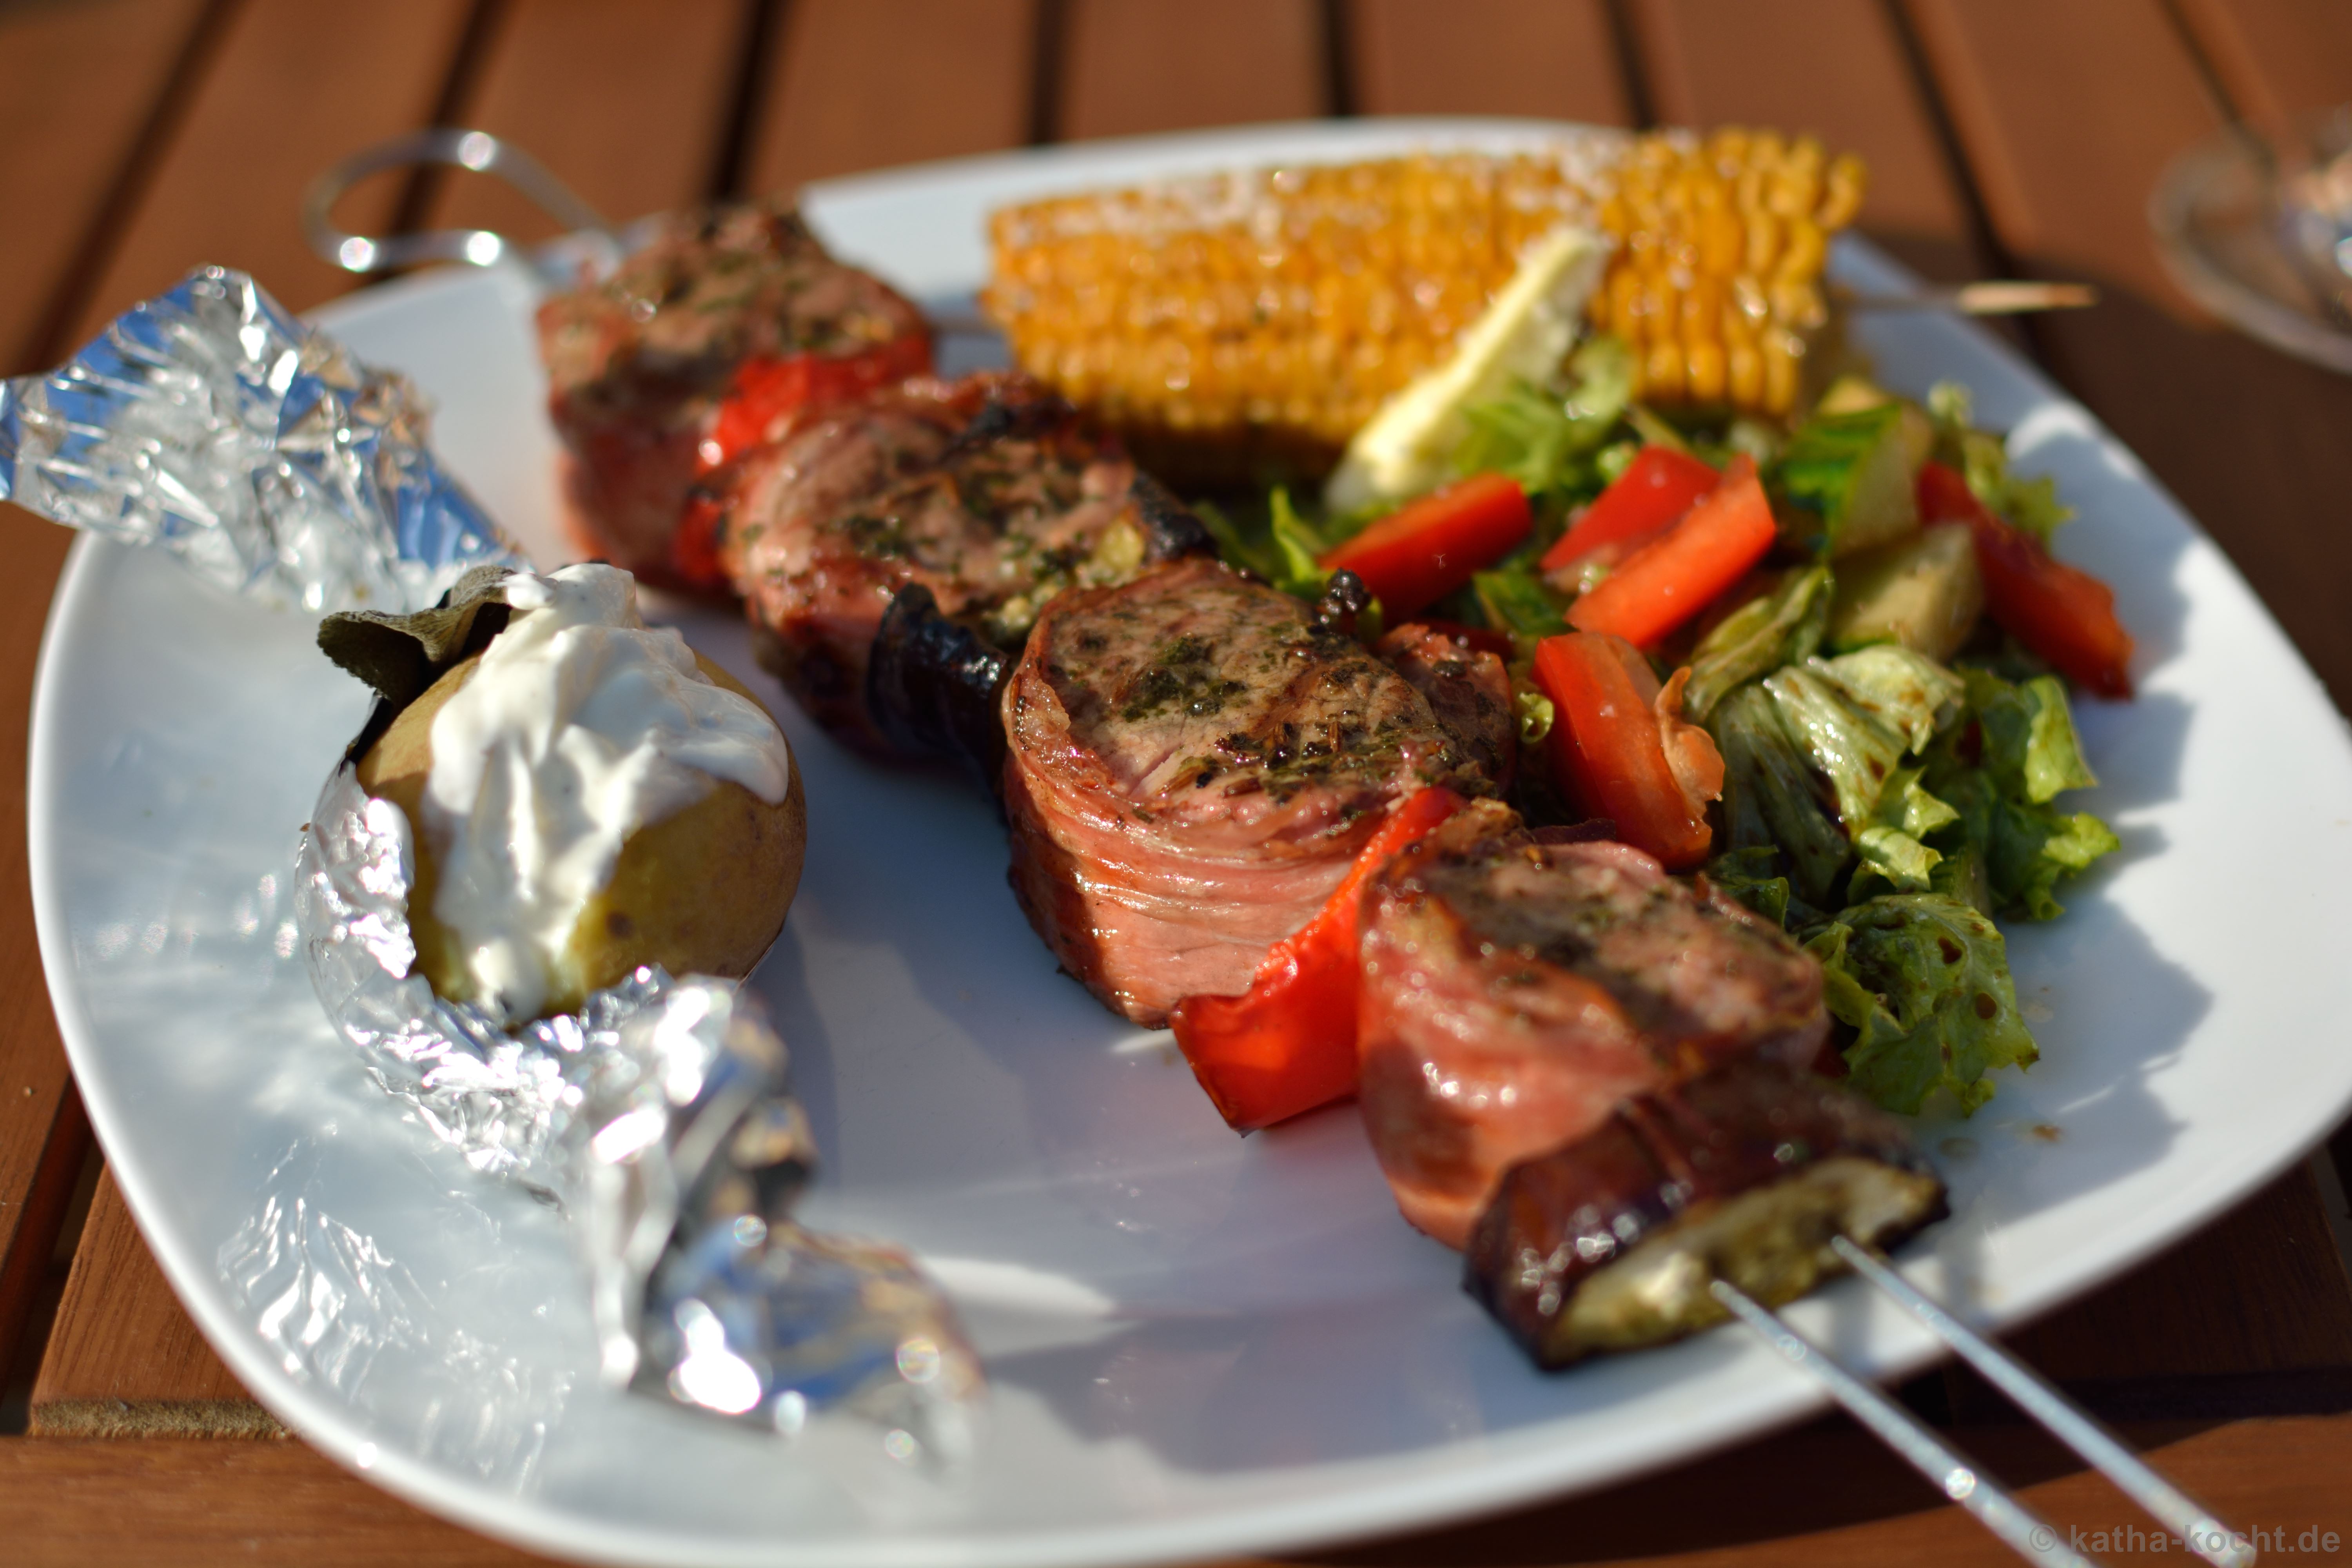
x: 2061, y: 613
x: 1416, y: 555
x: 1609, y: 747
x: 1654, y: 491
x: 767, y: 393
x: 1679, y: 571
x: 1287, y: 1043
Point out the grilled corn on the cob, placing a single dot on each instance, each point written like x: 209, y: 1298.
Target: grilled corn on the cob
x: 1236, y: 325
x: 1716, y: 278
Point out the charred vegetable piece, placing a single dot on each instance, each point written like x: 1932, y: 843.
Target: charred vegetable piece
x: 932, y: 686
x: 1287, y: 1045
x: 1609, y: 1242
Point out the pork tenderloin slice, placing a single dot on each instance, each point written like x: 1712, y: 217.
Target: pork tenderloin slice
x: 1515, y: 992
x: 1468, y: 690
x: 1194, y: 763
x: 637, y: 363
x: 987, y: 491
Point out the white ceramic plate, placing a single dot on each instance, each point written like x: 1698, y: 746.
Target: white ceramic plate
x: 1200, y: 1345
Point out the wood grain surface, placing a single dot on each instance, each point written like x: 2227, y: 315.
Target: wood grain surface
x: 295, y: 85
x: 1129, y: 69
x: 123, y: 1360
x: 1556, y: 59
x: 70, y: 180
x: 844, y: 71
x: 675, y: 64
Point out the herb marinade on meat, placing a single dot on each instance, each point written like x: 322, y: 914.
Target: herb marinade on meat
x: 1195, y: 761
x: 988, y: 492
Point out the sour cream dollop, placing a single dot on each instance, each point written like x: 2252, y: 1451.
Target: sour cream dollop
x: 579, y: 726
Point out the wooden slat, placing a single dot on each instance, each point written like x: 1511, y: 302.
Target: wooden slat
x: 629, y: 105
x: 123, y: 1360
x: 67, y: 126
x: 1833, y: 68
x: 1547, y: 59
x: 845, y: 71
x: 1132, y: 67
x: 2067, y: 134
x: 296, y: 85
x: 197, y: 1504
x: 2066, y: 139
x: 70, y: 1503
x: 43, y: 1136
x: 2276, y: 59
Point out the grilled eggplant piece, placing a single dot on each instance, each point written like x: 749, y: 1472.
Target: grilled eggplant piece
x: 639, y: 364
x: 1195, y: 760
x: 933, y: 686
x: 1609, y: 1242
x: 987, y: 491
x: 1516, y: 990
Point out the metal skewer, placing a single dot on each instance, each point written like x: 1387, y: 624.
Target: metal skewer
x: 1986, y: 1500
x: 1989, y: 1502
x: 1999, y: 297
x: 2061, y: 1416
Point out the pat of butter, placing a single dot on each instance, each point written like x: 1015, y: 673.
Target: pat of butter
x: 1408, y: 446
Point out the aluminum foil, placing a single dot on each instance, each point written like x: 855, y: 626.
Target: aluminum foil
x: 212, y: 424
x: 660, y: 1118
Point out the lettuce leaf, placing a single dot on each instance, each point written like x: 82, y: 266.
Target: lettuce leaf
x: 1546, y: 440
x: 2029, y: 745
x: 1783, y: 626
x: 1772, y: 799
x: 2026, y: 754
x: 1847, y: 746
x: 1982, y: 460
x: 1753, y: 877
x: 1923, y: 982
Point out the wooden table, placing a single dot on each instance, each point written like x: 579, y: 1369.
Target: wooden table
x: 2006, y: 137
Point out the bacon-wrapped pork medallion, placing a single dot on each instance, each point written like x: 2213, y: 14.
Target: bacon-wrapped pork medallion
x: 731, y: 319
x: 1513, y: 992
x: 1745, y: 1173
x: 1195, y: 761
x: 987, y: 492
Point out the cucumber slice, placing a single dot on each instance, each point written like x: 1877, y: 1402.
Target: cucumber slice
x: 1924, y: 592
x: 1854, y: 473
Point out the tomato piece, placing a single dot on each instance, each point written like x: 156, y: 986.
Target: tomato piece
x: 1654, y: 491
x: 766, y: 396
x: 1422, y: 551
x: 1287, y: 1043
x: 1680, y: 572
x: 1609, y: 748
x: 2061, y: 613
